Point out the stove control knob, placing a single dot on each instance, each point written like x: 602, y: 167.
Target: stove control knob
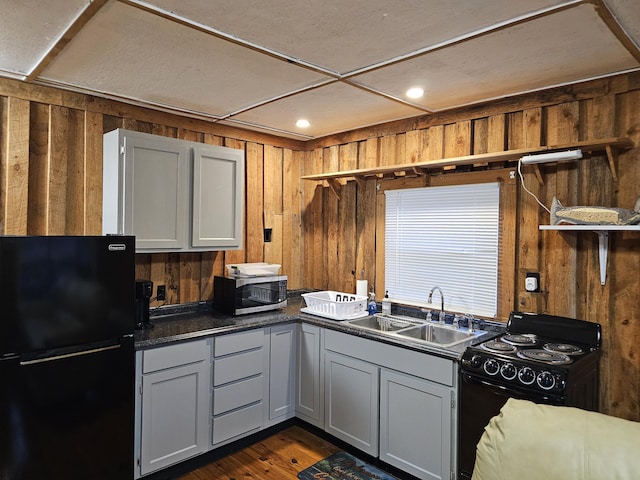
x: 546, y: 380
x: 508, y: 371
x: 491, y: 367
x: 526, y: 375
x: 476, y: 361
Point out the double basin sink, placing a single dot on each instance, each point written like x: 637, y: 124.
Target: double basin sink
x: 415, y: 329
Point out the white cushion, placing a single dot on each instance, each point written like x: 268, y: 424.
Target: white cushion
x: 527, y: 441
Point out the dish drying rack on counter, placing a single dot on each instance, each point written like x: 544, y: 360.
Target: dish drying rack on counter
x: 335, y: 305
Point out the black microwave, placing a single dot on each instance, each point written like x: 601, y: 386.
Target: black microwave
x: 251, y: 294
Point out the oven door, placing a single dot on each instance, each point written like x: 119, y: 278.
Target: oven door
x: 479, y: 401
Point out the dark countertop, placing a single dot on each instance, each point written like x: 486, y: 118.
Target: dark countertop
x: 189, y: 322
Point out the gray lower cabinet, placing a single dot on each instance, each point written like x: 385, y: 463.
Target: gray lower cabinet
x: 173, y: 195
x: 310, y: 374
x: 282, y: 358
x: 199, y: 395
x: 351, y: 401
x: 392, y: 402
x: 388, y: 401
x: 172, y: 405
x: 415, y: 425
x: 237, y: 408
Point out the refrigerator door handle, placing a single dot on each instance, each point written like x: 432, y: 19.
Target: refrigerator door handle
x: 69, y: 355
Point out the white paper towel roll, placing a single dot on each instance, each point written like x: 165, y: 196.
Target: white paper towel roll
x: 361, y: 287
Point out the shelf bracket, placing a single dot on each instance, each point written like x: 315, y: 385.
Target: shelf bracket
x: 536, y: 170
x: 335, y: 186
x: 612, y: 155
x: 361, y: 180
x: 603, y: 248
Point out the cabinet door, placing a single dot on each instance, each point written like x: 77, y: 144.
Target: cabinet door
x: 415, y: 425
x: 282, y: 356
x: 174, y: 415
x: 310, y: 389
x: 351, y: 401
x: 218, y: 195
x: 154, y: 197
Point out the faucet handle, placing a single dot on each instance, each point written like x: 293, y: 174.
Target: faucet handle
x: 470, y: 320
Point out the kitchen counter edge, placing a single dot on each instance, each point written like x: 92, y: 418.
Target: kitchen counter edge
x: 179, y: 327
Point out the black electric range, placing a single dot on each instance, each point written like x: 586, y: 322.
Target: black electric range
x: 542, y: 358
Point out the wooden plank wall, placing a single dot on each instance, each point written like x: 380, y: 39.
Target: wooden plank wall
x: 50, y: 183
x: 568, y: 262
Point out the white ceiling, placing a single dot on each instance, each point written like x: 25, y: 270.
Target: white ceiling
x: 340, y: 64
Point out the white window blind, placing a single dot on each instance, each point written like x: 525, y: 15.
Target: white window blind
x: 445, y: 236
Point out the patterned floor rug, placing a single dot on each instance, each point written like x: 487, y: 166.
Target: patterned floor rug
x: 342, y: 466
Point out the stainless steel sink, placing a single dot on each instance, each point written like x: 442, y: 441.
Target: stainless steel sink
x: 438, y: 334
x: 415, y: 329
x: 385, y: 323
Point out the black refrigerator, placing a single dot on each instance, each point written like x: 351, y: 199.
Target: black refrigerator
x: 67, y: 316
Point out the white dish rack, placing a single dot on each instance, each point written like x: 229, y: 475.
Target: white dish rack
x: 335, y: 305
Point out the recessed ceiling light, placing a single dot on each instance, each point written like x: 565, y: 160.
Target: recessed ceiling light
x: 415, y: 92
x: 302, y: 123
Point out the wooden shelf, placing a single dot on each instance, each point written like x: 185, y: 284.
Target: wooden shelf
x: 609, y: 145
x: 603, y: 239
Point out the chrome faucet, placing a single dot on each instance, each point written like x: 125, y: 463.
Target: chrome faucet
x: 430, y: 299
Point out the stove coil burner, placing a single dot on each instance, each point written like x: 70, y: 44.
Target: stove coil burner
x: 525, y: 340
x: 565, y: 348
x: 498, y: 347
x: 544, y: 356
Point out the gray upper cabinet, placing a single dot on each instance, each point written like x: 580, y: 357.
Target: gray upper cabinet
x: 173, y: 195
x: 218, y: 191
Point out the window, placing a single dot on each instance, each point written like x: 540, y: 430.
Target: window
x: 446, y: 236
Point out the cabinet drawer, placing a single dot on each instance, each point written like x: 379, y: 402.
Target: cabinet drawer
x: 235, y: 395
x: 237, y: 342
x: 237, y: 423
x: 174, y: 355
x: 236, y: 367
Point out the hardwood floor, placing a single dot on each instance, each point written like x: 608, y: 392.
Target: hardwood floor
x: 279, y: 457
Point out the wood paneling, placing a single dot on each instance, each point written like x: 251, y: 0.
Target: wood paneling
x: 292, y: 244
x: 93, y: 128
x: 526, y: 131
x: 255, y: 202
x: 331, y: 274
x: 313, y: 221
x: 273, y: 191
x: 568, y: 261
x: 14, y: 166
x: 50, y: 183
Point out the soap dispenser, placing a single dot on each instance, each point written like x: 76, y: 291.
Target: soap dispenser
x: 386, y: 303
x: 372, y: 306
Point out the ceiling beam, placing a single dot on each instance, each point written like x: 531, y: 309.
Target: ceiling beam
x: 73, y: 29
x: 617, y: 30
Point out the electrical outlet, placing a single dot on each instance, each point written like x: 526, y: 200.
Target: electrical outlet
x: 532, y: 282
x: 161, y: 293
